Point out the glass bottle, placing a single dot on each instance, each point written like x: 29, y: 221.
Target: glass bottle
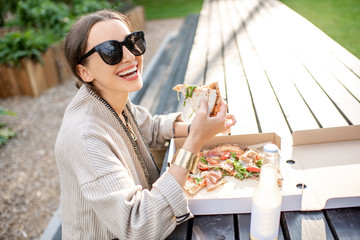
x: 266, y: 202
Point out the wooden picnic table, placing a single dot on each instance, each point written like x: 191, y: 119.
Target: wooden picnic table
x: 278, y: 73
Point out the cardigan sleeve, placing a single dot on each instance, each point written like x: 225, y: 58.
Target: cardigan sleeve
x: 156, y: 129
x: 132, y: 213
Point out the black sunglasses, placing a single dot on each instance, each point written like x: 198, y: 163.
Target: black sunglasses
x: 111, y: 51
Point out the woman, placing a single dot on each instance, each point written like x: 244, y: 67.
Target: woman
x: 110, y: 186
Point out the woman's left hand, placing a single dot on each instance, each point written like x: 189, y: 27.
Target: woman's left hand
x: 229, y: 122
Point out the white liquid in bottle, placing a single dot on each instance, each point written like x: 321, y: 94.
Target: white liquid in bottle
x: 266, y: 205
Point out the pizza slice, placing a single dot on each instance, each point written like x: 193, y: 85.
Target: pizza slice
x: 213, y: 178
x: 194, y: 183
x: 193, y: 94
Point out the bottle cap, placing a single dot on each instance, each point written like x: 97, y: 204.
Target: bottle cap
x: 272, y: 148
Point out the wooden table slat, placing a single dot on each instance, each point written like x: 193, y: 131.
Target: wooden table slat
x: 213, y: 227
x: 269, y: 113
x: 347, y: 78
x: 346, y: 104
x: 239, y: 98
x: 344, y: 222
x: 182, y: 231
x: 305, y: 225
x: 215, y: 65
x: 244, y: 227
x: 276, y: 65
x: 293, y: 44
x: 197, y: 61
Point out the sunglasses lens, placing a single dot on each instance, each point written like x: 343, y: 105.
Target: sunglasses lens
x: 136, y: 43
x: 111, y: 52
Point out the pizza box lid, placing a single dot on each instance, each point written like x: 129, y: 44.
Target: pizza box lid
x: 329, y: 162
x: 322, y: 170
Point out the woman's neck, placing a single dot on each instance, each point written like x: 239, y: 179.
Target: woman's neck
x: 117, y: 101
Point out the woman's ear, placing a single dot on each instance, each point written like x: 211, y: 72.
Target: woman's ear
x: 84, y: 73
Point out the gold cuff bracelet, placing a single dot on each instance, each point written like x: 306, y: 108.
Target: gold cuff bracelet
x: 185, y: 159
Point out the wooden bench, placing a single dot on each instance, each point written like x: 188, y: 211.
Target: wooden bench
x: 278, y: 73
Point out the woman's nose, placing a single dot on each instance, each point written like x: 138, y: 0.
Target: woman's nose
x: 127, y: 56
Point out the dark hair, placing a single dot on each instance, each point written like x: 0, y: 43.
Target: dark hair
x: 76, y: 40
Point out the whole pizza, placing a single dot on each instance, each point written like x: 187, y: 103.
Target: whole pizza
x: 238, y: 161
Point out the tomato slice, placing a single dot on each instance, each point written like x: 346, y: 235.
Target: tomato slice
x: 213, y: 160
x: 225, y: 156
x: 253, y: 169
x: 203, y: 166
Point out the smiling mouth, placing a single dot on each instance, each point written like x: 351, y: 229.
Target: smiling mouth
x: 128, y: 73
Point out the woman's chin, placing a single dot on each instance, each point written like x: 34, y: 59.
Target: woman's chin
x: 138, y: 84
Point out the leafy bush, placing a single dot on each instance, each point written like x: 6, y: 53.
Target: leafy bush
x: 81, y: 7
x: 5, y: 133
x: 17, y: 45
x: 42, y: 23
x: 6, y: 7
x: 41, y: 14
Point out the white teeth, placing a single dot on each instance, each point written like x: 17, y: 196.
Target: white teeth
x: 128, y: 71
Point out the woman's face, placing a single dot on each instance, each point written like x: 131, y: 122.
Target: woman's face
x: 111, y: 79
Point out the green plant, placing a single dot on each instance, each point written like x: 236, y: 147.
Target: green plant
x: 81, y: 7
x: 41, y: 14
x: 17, y: 45
x: 6, y: 7
x: 5, y: 132
x: 169, y: 9
x: 41, y: 23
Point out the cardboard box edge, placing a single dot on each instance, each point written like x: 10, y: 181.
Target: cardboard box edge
x: 326, y: 135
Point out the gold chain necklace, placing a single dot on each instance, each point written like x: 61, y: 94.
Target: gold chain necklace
x: 128, y: 126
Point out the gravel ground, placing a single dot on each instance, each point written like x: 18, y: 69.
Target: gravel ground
x: 29, y: 184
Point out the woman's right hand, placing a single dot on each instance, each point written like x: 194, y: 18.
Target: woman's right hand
x: 204, y: 127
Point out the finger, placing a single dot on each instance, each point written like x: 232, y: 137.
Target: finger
x: 229, y: 123
x: 232, y: 118
x: 202, y: 106
x: 223, y: 109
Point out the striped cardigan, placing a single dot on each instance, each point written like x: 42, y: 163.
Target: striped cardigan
x: 104, y: 176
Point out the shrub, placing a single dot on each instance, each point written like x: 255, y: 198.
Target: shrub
x: 17, y: 45
x: 81, y: 7
x: 43, y: 23
x: 41, y: 14
x: 6, y: 7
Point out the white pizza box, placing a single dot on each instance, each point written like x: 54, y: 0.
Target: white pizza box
x: 329, y: 159
x: 322, y: 170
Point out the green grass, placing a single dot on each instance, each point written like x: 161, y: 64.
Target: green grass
x: 156, y: 9
x: 340, y: 19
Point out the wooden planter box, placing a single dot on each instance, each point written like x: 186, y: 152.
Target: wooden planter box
x: 31, y: 78
x: 137, y: 17
x: 63, y: 70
